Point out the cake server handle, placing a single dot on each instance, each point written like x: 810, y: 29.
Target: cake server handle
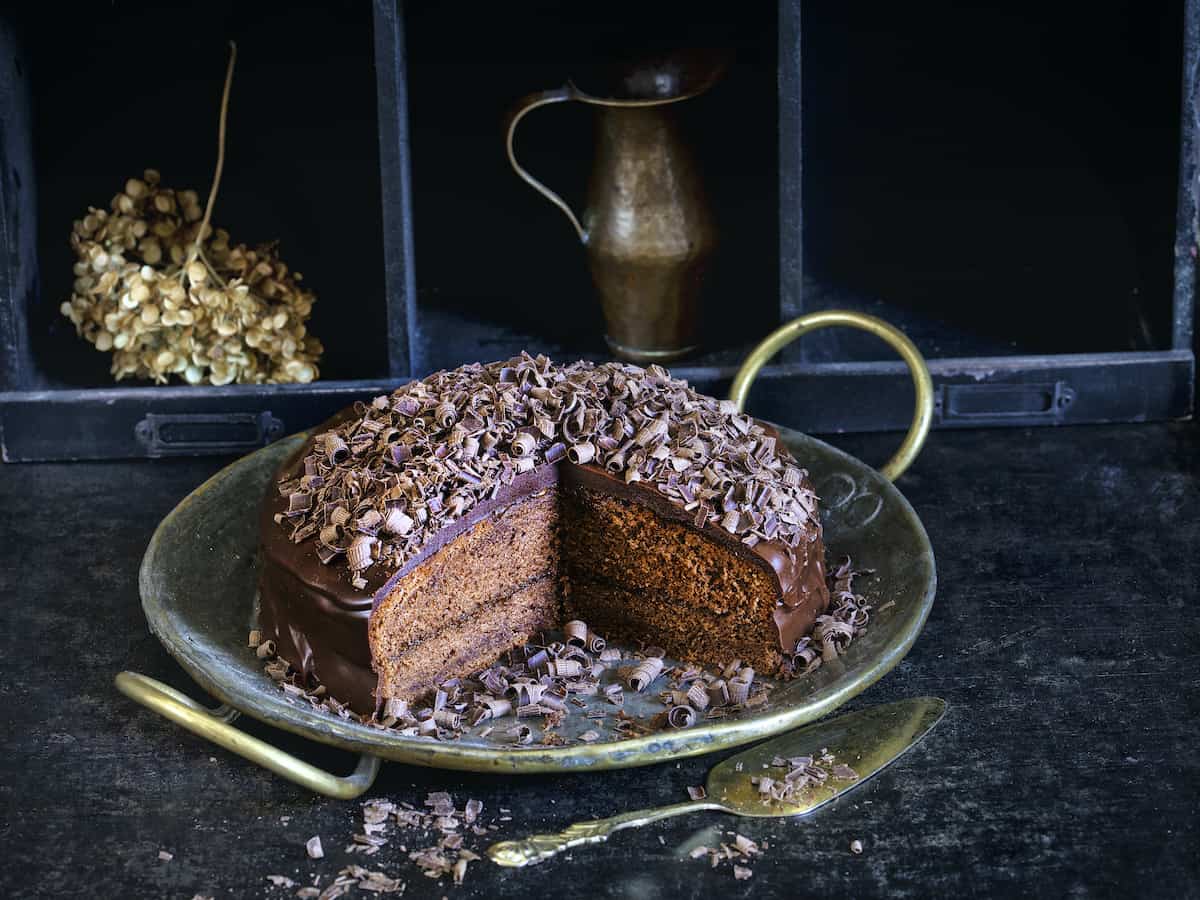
x: 214, y: 725
x: 922, y: 382
x: 537, y: 847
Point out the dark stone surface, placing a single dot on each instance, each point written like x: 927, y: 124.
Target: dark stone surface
x: 1065, y: 637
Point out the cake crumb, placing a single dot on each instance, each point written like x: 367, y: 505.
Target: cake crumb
x: 856, y: 846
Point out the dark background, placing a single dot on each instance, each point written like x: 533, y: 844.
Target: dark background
x: 994, y: 180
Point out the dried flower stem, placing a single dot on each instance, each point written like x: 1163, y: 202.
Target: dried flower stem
x: 212, y: 193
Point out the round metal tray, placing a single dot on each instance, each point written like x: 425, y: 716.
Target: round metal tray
x: 198, y: 587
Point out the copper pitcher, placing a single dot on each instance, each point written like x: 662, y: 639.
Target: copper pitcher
x: 647, y: 230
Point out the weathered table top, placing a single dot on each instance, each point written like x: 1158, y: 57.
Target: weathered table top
x: 1066, y: 638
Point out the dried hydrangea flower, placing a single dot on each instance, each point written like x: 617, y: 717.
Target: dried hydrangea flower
x: 234, y: 314
x: 167, y: 295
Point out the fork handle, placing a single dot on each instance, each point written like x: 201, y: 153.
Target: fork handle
x: 537, y: 847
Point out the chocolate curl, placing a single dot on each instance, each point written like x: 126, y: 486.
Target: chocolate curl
x: 526, y: 693
x: 555, y: 452
x: 299, y: 502
x: 615, y: 462
x: 368, y: 522
x: 336, y: 450
x: 642, y: 675
x: 746, y: 674
x: 397, y: 522
x: 496, y: 707
x: 697, y: 696
x: 358, y: 555
x: 427, y: 726
x: 564, y: 668
x: 594, y: 643
x: 718, y: 692
x: 494, y: 680
x: 340, y: 515
x: 582, y: 453
x: 652, y: 431
x: 445, y: 414
x: 576, y: 632
x: 522, y: 734
x: 610, y: 654
x: 395, y: 708
x: 553, y: 701
x: 681, y: 717
x: 304, y: 532
x: 523, y: 445
x: 806, y: 657
x: 255, y: 638
x: 739, y: 690
x: 538, y: 660
x: 448, y: 718
x: 330, y: 535
x: 265, y: 649
x: 578, y: 653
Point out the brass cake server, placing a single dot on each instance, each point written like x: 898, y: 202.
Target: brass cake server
x: 866, y: 741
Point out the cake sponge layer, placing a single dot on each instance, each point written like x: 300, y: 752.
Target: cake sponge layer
x: 625, y: 543
x: 464, y: 648
x: 499, y: 555
x: 685, y: 632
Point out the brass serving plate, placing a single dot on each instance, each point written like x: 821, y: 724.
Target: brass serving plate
x: 198, y: 585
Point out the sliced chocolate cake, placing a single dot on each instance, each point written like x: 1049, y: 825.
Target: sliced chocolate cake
x: 417, y: 537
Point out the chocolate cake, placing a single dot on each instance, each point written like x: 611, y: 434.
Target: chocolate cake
x: 417, y: 537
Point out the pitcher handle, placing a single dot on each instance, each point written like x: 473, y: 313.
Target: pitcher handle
x: 526, y: 105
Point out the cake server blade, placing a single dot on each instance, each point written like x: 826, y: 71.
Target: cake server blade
x: 865, y: 742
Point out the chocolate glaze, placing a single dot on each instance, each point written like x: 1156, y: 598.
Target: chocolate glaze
x: 319, y: 621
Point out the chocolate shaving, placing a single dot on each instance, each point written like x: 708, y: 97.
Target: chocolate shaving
x: 313, y: 847
x: 411, y: 463
x: 576, y: 632
x: 644, y: 673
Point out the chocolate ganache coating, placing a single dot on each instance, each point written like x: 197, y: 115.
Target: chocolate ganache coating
x: 460, y: 446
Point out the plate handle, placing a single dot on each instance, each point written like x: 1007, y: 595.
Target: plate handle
x: 785, y: 334
x: 215, y: 726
